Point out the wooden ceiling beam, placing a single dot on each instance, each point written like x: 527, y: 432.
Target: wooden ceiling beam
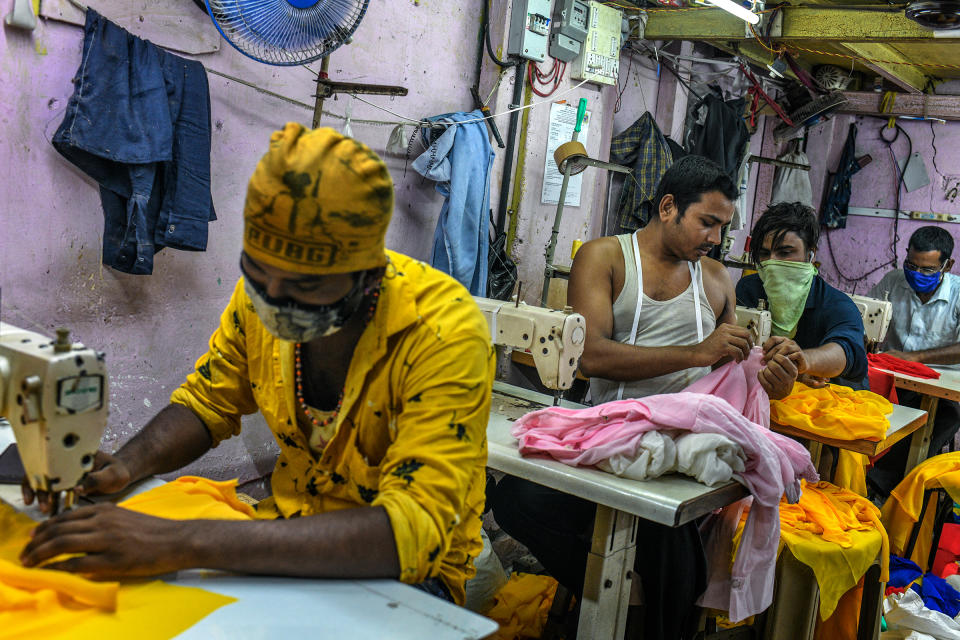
x: 889, y: 63
x: 867, y: 103
x: 812, y: 24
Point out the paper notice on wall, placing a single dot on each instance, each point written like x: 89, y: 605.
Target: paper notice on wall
x: 563, y: 118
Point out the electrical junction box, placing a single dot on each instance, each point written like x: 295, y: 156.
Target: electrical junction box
x: 569, y: 28
x: 599, y: 61
x: 529, y: 29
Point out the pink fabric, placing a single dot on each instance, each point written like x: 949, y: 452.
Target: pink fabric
x: 738, y: 384
x: 775, y: 464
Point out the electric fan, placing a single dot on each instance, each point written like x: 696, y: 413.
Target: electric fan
x: 286, y: 32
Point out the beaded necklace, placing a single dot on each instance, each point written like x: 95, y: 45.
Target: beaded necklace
x: 374, y: 293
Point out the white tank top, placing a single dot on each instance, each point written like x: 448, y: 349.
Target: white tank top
x: 645, y: 322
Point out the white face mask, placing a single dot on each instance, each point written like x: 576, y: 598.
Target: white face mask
x: 296, y: 323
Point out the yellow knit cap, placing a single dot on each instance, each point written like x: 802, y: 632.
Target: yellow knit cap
x: 318, y: 202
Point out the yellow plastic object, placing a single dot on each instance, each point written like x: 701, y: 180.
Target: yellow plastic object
x: 576, y: 247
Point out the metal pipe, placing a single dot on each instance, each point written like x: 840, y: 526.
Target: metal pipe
x: 552, y: 245
x: 511, y: 147
x: 318, y: 104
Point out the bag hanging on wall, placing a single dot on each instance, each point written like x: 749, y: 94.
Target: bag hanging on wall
x: 503, y: 271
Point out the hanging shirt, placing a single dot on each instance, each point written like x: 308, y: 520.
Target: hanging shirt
x: 411, y: 432
x: 833, y: 214
x: 829, y: 315
x: 661, y: 323
x: 643, y: 148
x: 460, y: 160
x: 915, y: 325
x: 138, y: 123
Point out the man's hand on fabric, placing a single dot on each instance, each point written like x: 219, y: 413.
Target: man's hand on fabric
x: 726, y: 341
x: 779, y: 345
x: 109, y: 475
x: 814, y: 382
x: 115, y: 542
x: 778, y: 376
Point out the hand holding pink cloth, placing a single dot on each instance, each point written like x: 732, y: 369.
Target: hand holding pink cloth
x: 773, y: 466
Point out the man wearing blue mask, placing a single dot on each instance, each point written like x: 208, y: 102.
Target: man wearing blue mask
x: 925, y: 328
x: 817, y: 326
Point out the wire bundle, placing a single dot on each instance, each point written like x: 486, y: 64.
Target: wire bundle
x: 535, y: 76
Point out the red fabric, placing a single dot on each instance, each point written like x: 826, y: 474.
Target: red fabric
x: 881, y: 383
x: 899, y: 365
x: 895, y: 590
x: 948, y: 549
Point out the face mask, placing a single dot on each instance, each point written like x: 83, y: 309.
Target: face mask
x: 298, y: 323
x: 787, y: 285
x: 922, y: 282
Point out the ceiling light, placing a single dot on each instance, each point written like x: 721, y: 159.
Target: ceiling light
x: 736, y: 9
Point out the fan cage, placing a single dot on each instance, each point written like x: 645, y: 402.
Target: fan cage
x: 277, y: 32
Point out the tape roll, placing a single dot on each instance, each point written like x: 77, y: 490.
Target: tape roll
x: 570, y: 152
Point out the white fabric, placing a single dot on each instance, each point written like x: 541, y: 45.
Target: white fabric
x: 711, y: 458
x: 916, y: 326
x: 656, y: 455
x: 792, y: 185
x: 906, y: 611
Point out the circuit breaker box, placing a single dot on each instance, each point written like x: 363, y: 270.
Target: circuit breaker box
x: 600, y: 59
x: 569, y: 28
x: 529, y: 29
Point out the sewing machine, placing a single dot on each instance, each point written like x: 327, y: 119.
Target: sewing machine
x: 54, y: 393
x: 555, y: 338
x: 876, y: 319
x: 758, y: 320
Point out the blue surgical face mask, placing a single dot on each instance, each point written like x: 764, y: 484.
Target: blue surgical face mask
x: 922, y: 282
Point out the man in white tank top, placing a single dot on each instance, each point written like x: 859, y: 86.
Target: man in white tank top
x: 641, y: 342
x: 664, y: 337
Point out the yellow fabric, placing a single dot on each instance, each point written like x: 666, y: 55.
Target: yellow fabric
x: 522, y: 605
x: 902, y: 508
x: 318, y: 202
x: 102, y: 595
x: 834, y: 411
x: 192, y: 498
x: 41, y: 603
x: 838, y: 535
x: 851, y: 472
x: 411, y: 432
x: 845, y: 620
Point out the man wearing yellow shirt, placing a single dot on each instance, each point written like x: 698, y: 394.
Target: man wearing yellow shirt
x: 373, y: 371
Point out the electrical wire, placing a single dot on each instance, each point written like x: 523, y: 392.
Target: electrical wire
x: 486, y: 37
x: 407, y: 120
x: 626, y: 80
x: 933, y: 143
x: 898, y: 184
x: 535, y: 77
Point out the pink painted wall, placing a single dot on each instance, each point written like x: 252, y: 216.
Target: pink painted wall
x: 865, y: 244
x: 153, y: 328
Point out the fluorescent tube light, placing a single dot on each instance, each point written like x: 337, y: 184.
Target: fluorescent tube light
x: 736, y: 9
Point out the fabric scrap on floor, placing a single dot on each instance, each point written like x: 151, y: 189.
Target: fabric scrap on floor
x: 522, y: 605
